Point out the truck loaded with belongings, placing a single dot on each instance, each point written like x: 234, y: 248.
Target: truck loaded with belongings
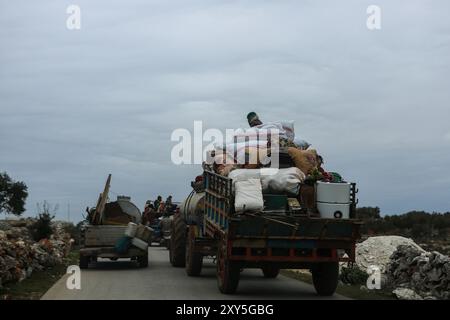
x: 113, y: 230
x: 266, y: 214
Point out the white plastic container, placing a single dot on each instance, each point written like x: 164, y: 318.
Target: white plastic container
x: 334, y: 210
x: 333, y: 192
x: 139, y: 244
x: 131, y: 229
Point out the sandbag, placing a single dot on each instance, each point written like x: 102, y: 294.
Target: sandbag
x: 305, y: 160
x: 278, y: 179
x: 248, y: 196
x: 244, y: 174
x: 284, y: 181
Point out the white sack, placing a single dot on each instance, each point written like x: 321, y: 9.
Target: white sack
x: 244, y: 174
x: 285, y: 130
x: 248, y: 196
x: 283, y: 181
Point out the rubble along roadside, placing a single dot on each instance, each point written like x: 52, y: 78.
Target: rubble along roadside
x: 27, y: 267
x: 408, y: 272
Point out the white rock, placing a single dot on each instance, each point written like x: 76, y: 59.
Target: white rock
x: 377, y: 250
x: 406, y: 294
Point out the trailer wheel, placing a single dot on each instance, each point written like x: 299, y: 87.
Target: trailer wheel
x: 143, y: 261
x: 194, y: 260
x: 167, y: 243
x: 270, y: 272
x: 84, y: 261
x: 325, y: 278
x: 177, y: 248
x: 228, y: 272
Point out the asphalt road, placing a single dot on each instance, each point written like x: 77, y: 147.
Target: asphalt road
x: 124, y: 280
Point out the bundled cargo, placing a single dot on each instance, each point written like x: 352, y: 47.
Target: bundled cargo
x: 305, y: 160
x: 283, y: 181
x: 255, y: 152
x: 278, y: 181
x: 143, y: 233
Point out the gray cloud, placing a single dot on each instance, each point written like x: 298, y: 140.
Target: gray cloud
x: 76, y: 105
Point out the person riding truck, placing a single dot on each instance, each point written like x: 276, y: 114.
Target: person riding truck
x: 158, y: 202
x: 168, y: 204
x: 253, y: 119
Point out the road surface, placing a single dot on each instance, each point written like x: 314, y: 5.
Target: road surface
x: 124, y: 280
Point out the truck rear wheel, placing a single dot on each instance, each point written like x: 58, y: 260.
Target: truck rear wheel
x: 84, y: 261
x: 270, y: 272
x: 167, y: 244
x: 194, y: 260
x: 325, y: 278
x: 143, y: 261
x: 177, y: 248
x: 228, y: 271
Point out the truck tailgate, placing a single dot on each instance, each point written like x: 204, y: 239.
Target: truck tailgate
x: 102, y: 235
x: 287, y: 227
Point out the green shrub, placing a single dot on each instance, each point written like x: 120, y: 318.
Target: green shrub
x: 42, y: 228
x: 353, y: 275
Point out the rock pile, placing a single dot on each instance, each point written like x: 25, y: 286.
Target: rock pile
x: 378, y: 250
x: 409, y: 271
x: 20, y: 255
x: 425, y: 274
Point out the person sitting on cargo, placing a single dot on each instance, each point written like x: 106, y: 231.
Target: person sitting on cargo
x: 157, y: 203
x: 168, y: 204
x: 253, y: 119
x: 161, y: 209
x: 148, y: 209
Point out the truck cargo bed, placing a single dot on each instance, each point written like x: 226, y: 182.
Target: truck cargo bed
x: 102, y: 235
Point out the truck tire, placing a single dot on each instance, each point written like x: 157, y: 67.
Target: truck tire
x: 167, y: 243
x: 228, y: 272
x: 143, y: 261
x: 177, y: 251
x: 84, y: 261
x: 194, y: 260
x: 270, y: 272
x: 325, y: 277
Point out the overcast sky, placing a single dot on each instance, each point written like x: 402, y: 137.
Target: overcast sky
x: 76, y: 105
